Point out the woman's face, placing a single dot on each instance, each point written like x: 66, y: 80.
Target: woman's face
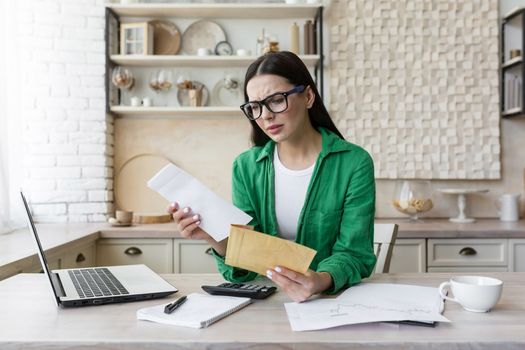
x: 285, y: 125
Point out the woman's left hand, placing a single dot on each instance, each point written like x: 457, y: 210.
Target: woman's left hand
x: 298, y: 286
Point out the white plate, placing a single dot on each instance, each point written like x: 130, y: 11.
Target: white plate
x: 202, y: 34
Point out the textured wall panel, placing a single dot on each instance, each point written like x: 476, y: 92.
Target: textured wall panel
x: 416, y: 83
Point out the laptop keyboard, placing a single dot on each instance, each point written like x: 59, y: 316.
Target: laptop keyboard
x: 96, y: 282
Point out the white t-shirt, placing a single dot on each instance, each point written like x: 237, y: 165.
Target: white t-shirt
x: 290, y: 193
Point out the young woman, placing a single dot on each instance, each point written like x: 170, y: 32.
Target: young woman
x: 301, y: 181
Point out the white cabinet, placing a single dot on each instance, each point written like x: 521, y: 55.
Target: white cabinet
x: 193, y: 257
x: 156, y: 253
x: 467, y: 254
x: 78, y: 257
x: 517, y: 255
x: 408, y: 255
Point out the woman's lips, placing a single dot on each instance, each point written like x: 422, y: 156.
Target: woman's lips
x: 274, y: 129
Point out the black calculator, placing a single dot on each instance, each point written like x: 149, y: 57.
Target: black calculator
x: 253, y: 291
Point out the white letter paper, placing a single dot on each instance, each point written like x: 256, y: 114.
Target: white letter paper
x: 215, y: 212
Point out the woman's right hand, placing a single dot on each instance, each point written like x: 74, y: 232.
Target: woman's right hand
x: 187, y: 222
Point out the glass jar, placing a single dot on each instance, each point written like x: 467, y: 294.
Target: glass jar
x: 413, y: 197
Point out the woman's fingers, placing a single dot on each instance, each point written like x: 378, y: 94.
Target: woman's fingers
x: 181, y: 214
x: 296, y: 285
x: 189, y: 230
x: 188, y: 224
x: 173, y: 207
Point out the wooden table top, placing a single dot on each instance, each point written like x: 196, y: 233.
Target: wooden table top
x: 30, y: 319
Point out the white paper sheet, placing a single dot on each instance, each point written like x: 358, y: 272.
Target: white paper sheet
x: 217, y: 214
x: 200, y: 310
x: 368, y: 302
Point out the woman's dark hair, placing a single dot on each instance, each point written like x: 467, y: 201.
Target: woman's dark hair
x: 287, y: 65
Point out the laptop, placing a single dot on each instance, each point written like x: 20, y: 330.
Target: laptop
x: 100, y: 285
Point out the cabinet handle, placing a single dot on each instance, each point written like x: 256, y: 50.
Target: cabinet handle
x: 468, y: 251
x: 133, y: 251
x: 80, y: 258
x: 208, y: 251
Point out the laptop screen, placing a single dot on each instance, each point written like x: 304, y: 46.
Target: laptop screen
x: 40, y: 251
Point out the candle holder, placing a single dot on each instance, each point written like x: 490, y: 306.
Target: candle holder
x: 462, y: 203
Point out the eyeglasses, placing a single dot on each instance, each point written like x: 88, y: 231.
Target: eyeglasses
x: 275, y: 103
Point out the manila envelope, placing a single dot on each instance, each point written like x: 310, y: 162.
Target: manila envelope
x: 256, y: 251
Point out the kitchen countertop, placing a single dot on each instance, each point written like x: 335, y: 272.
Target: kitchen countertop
x: 18, y: 246
x: 443, y: 228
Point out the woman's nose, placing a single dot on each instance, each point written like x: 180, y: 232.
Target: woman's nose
x: 266, y: 113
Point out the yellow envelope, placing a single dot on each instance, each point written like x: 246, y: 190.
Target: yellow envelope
x: 255, y: 251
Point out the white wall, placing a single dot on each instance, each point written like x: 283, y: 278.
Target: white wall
x: 64, y: 157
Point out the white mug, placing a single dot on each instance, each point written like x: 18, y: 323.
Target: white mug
x: 244, y: 52
x: 203, y: 51
x: 474, y: 293
x: 509, y: 207
x: 135, y: 101
x: 147, y: 102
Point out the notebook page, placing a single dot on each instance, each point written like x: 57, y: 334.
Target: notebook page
x: 199, y: 310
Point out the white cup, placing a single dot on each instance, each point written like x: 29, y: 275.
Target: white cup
x: 147, y: 102
x: 203, y: 51
x: 135, y: 101
x: 474, y: 293
x: 243, y: 52
x: 508, y: 206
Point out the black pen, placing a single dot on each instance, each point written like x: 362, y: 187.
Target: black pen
x: 168, y: 309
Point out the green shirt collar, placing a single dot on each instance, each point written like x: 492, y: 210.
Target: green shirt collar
x: 331, y: 144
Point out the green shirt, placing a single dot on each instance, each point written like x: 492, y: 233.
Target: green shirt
x: 337, y: 218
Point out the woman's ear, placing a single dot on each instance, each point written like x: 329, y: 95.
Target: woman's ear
x: 310, y: 97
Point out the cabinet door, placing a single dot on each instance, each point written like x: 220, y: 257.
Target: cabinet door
x: 193, y: 257
x: 155, y: 253
x: 78, y: 257
x: 517, y: 255
x: 467, y: 252
x: 408, y: 255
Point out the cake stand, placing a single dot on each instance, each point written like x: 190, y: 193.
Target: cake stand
x: 462, y: 202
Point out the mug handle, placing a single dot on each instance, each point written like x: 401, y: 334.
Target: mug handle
x: 442, y: 287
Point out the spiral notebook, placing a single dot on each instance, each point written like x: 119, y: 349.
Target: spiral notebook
x: 199, y: 310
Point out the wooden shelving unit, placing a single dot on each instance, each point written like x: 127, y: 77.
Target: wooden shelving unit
x: 244, y: 11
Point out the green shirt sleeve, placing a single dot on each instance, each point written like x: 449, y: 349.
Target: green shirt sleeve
x: 241, y: 200
x: 353, y: 255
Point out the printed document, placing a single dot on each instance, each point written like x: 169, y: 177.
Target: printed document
x: 368, y: 302
x: 217, y: 214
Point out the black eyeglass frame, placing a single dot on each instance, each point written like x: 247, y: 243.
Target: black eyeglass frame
x: 296, y: 89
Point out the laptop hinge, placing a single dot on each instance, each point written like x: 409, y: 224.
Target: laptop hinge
x: 57, y: 285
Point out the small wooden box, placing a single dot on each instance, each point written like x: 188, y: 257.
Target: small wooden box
x: 136, y: 38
